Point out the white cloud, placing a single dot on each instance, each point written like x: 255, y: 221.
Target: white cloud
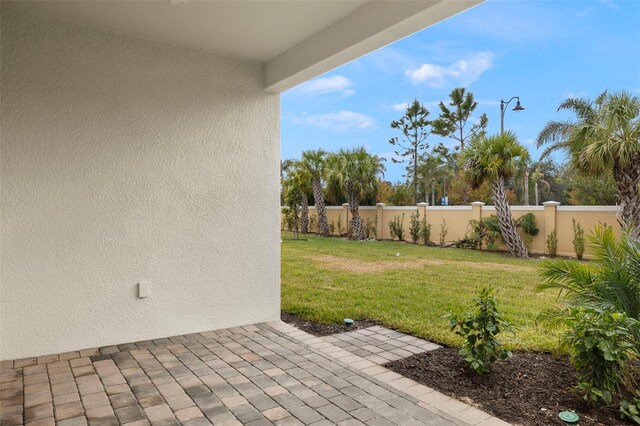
x: 339, y: 121
x: 460, y: 73
x: 320, y: 86
x: 402, y: 106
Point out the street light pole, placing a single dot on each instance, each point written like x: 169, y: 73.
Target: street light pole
x: 503, y: 107
x: 518, y: 107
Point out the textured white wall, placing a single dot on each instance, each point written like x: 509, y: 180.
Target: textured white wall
x: 124, y: 160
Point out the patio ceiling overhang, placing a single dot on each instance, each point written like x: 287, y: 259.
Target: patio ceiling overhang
x: 295, y: 40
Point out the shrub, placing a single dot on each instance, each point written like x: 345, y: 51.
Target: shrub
x: 552, y: 243
x: 600, y: 345
x: 485, y: 231
x: 370, y: 228
x: 578, y: 239
x: 492, y: 226
x: 313, y: 223
x: 529, y: 227
x: 340, y: 227
x: 332, y: 227
x: 425, y: 231
x: 479, y: 329
x: 631, y: 409
x: 396, y: 228
x: 444, y: 230
x: 414, y: 226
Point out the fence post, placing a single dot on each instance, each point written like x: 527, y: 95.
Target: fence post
x: 380, y: 221
x: 476, y: 210
x: 345, y: 211
x: 550, y: 214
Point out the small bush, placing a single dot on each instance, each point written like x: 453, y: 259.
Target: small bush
x: 332, y: 227
x: 485, y: 231
x: 552, y: 243
x: 479, y: 329
x: 529, y: 227
x: 425, y: 231
x: 371, y: 230
x: 600, y: 345
x: 631, y: 409
x: 578, y: 239
x: 340, y: 226
x: 492, y: 226
x: 414, y: 226
x: 313, y: 223
x: 444, y: 230
x: 396, y: 228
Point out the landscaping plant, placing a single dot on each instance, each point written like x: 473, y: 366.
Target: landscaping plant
x: 495, y: 160
x: 332, y: 227
x: 485, y: 231
x: 340, y: 227
x: 529, y: 227
x: 444, y: 230
x: 353, y: 174
x: 371, y: 228
x: 600, y: 344
x: 479, y: 329
x: 578, y: 239
x: 610, y: 282
x: 396, y: 228
x: 415, y: 226
x: 552, y: 243
x: 425, y: 232
x: 314, y: 164
x: 604, y: 139
x: 631, y: 409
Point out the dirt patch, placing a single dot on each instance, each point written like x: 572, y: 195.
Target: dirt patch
x: 363, y: 267
x: 529, y: 389
x: 319, y: 329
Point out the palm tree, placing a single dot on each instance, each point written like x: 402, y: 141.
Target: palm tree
x: 611, y: 281
x: 354, y: 173
x: 496, y: 159
x: 604, y: 137
x: 296, y: 190
x: 314, y: 163
x: 538, y: 177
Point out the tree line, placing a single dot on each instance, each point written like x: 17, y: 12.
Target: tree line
x: 601, y: 143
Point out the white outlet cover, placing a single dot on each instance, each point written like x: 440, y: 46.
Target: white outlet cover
x: 143, y: 289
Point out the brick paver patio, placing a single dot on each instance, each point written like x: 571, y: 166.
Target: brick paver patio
x: 380, y: 345
x: 256, y: 375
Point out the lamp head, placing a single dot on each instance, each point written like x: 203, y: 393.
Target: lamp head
x: 518, y: 107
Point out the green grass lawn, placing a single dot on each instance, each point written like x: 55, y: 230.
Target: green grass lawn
x: 329, y: 279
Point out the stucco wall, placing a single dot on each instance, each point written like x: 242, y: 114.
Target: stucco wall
x: 125, y: 160
x: 457, y: 221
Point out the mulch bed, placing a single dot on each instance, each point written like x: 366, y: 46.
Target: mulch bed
x: 529, y: 389
x: 320, y: 329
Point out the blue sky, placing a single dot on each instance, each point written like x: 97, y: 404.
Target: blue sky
x: 542, y: 51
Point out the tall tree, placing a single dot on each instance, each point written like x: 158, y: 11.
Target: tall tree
x: 496, y: 159
x: 436, y: 169
x: 416, y: 128
x: 453, y: 121
x: 604, y: 137
x: 314, y: 163
x: 354, y: 173
x: 296, y: 189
